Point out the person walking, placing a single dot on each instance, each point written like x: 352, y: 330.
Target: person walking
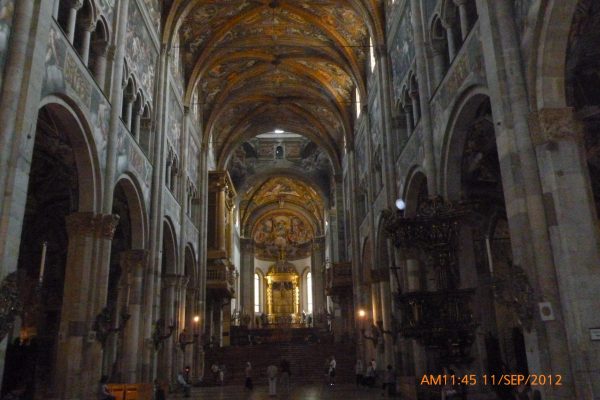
x: 272, y: 376
x: 332, y: 367
x: 248, y: 372
x: 358, y: 371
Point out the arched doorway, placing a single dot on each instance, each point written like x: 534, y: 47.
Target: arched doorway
x: 60, y: 194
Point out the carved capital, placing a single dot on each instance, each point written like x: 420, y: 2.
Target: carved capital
x: 75, y: 4
x: 107, y: 224
x: 550, y: 125
x: 134, y: 261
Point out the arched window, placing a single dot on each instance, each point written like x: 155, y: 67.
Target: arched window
x: 309, y: 293
x: 279, y: 152
x: 256, y: 293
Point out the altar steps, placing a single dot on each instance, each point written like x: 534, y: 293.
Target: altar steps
x: 307, y: 361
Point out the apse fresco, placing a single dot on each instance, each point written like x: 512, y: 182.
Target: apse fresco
x: 6, y: 13
x: 282, y: 231
x: 141, y: 55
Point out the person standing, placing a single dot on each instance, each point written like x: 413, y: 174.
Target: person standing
x: 358, y: 371
x: 389, y: 382
x: 332, y: 367
x: 272, y: 376
x: 103, y: 391
x: 184, y: 384
x: 248, y: 372
x: 285, y: 374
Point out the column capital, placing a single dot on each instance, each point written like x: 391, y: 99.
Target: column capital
x: 90, y: 224
x: 551, y: 125
x: 75, y: 4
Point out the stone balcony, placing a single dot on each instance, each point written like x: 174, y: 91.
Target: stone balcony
x: 220, y: 280
x: 338, y: 278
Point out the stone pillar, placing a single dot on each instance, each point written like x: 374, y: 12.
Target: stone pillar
x: 71, y: 377
x: 386, y: 317
x: 318, y: 267
x: 247, y: 277
x: 464, y: 17
x: 134, y: 263
x: 558, y: 135
x: 408, y: 115
x: 75, y: 6
x: 169, y: 286
x: 429, y: 161
x: 525, y: 202
x: 56, y: 9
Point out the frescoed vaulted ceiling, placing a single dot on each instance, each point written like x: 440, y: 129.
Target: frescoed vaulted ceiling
x: 265, y: 64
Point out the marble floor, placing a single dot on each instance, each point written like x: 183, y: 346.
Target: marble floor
x: 305, y: 392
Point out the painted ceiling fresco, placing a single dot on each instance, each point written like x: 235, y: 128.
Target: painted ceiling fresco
x: 281, y: 193
x: 265, y: 64
x: 256, y: 157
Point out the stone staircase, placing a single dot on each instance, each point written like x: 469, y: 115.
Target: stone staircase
x: 307, y: 361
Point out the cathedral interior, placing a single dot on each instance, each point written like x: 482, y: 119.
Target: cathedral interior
x: 188, y: 185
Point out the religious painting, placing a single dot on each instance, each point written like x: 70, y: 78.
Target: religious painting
x: 7, y: 8
x: 282, y: 232
x: 141, y: 54
x: 54, y: 78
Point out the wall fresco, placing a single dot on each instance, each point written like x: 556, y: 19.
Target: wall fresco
x: 7, y: 8
x: 141, y: 55
x: 402, y: 52
x: 176, y: 66
x: 193, y: 157
x: 131, y: 158
x: 175, y: 127
x: 108, y: 9
x: 153, y: 8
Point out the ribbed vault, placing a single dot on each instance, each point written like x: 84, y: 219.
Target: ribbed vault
x: 265, y: 64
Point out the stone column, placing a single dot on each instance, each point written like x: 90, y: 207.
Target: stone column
x: 408, y: 115
x: 386, y: 317
x: 75, y: 6
x: 70, y: 375
x: 247, y: 277
x: 134, y: 263
x: 100, y: 48
x: 84, y: 51
x: 451, y: 42
x: 429, y: 161
x: 439, y: 62
x: 129, y: 99
x: 464, y: 17
x: 318, y: 267
x: 169, y: 285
